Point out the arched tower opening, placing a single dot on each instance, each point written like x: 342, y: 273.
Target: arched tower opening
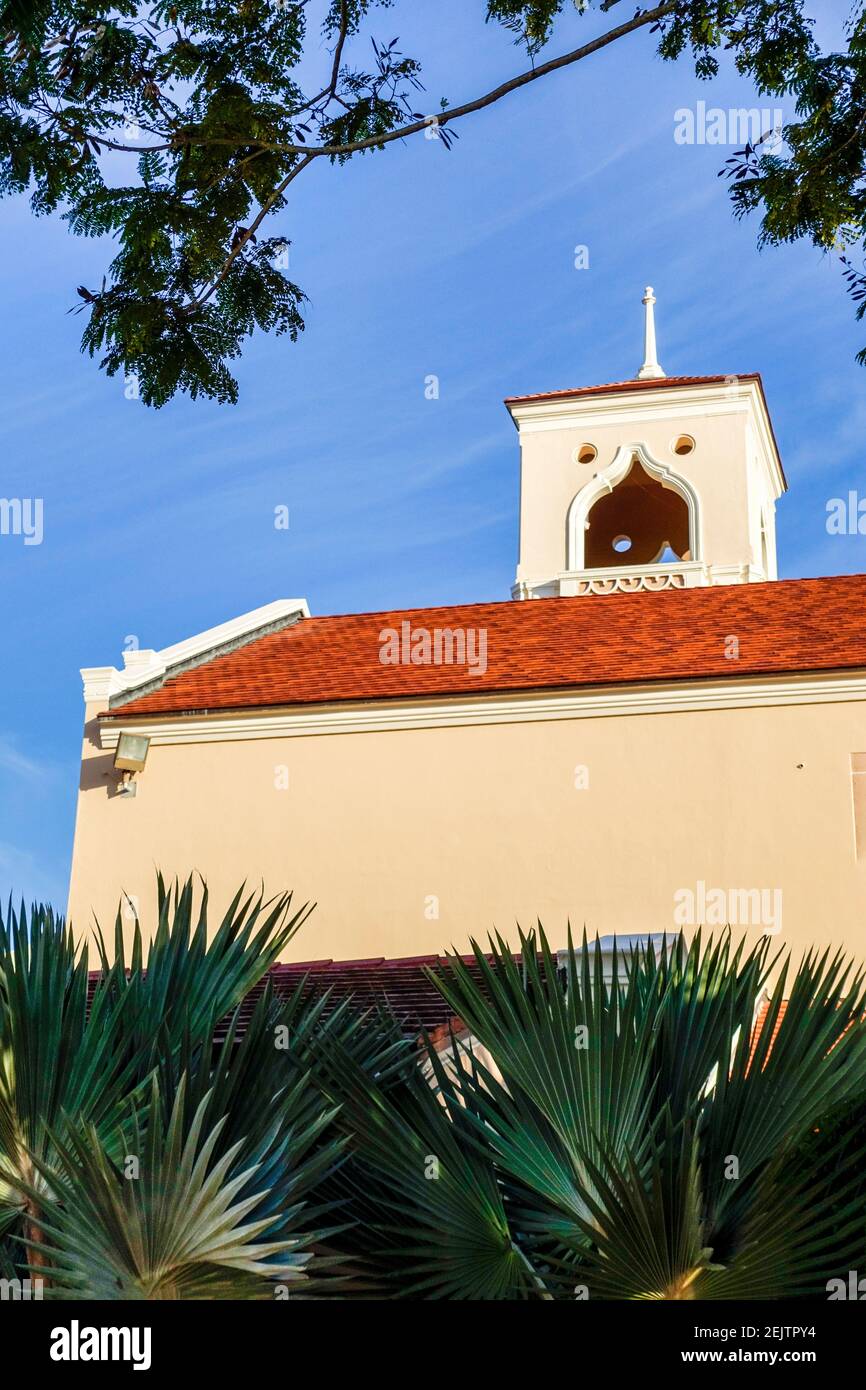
x: 641, y: 521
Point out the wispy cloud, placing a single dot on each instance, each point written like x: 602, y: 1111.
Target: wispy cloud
x: 13, y: 761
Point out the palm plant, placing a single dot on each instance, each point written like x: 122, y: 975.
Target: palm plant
x: 593, y: 1132
x: 138, y: 1160
x: 627, y: 1140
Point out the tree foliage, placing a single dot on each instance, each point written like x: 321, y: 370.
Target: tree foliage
x: 177, y: 128
x: 814, y: 188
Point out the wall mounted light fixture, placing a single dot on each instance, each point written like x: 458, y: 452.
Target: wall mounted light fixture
x: 129, y: 759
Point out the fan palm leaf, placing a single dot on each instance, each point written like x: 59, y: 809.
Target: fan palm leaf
x: 810, y: 1056
x: 181, y: 1223
x: 187, y: 975
x: 433, y: 1216
x: 58, y: 1058
x: 574, y: 1059
x: 651, y: 1162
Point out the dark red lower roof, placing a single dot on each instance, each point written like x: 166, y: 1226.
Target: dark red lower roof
x: 400, y: 986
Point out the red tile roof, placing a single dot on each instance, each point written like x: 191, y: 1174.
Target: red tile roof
x: 758, y: 1028
x: 610, y: 388
x: 671, y: 635
x: 760, y: 1022
x: 400, y: 986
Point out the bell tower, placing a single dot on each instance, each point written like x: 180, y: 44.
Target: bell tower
x: 657, y: 482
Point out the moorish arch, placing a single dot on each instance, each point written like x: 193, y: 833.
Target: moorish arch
x: 637, y: 511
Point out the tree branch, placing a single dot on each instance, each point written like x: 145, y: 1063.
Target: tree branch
x: 639, y: 21
x: 504, y: 89
x: 310, y: 153
x: 242, y: 240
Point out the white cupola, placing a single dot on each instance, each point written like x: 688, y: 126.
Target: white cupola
x: 650, y: 483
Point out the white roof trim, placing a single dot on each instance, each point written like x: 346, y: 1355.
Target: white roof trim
x: 145, y: 667
x: 536, y: 706
x: 733, y: 396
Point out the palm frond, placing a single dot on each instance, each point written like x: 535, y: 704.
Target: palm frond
x: 186, y: 975
x: 432, y: 1214
x: 182, y: 1222
x: 810, y: 1055
x: 58, y: 1058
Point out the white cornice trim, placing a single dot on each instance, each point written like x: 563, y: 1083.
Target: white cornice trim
x: 538, y: 706
x: 100, y: 683
x: 555, y: 411
x: 150, y: 668
x: 624, y: 578
x: 736, y: 396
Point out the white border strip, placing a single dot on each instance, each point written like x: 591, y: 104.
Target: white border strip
x: 539, y: 706
x: 733, y: 396
x: 143, y: 667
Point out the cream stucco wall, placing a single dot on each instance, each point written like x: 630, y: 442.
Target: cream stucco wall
x: 487, y: 820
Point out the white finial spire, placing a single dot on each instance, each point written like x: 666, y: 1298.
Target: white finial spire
x: 650, y: 366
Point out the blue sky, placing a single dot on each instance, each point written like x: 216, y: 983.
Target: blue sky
x: 416, y: 261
